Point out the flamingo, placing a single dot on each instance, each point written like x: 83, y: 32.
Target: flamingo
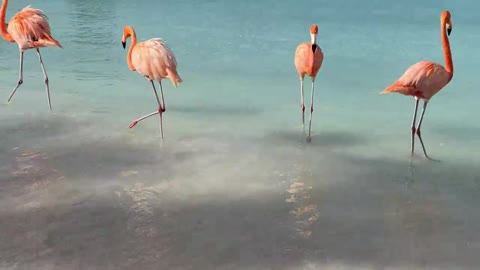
x: 308, y: 60
x: 155, y: 61
x: 29, y: 28
x: 424, y: 79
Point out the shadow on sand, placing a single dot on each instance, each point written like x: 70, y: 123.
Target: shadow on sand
x: 218, y: 109
x: 371, y: 213
x: 319, y: 139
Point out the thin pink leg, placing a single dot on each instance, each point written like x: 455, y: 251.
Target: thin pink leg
x: 309, y: 138
x: 135, y: 122
x: 419, y: 134
x: 20, y: 79
x: 47, y: 88
x: 413, y: 128
x: 160, y: 111
x: 162, y: 107
x: 302, y: 104
x: 161, y: 92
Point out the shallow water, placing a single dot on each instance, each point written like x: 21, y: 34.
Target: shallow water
x: 234, y: 185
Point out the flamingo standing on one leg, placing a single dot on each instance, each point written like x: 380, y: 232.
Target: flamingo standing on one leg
x: 154, y: 60
x: 29, y: 28
x: 308, y: 60
x: 424, y: 79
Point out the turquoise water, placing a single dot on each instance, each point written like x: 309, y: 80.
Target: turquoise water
x: 234, y: 185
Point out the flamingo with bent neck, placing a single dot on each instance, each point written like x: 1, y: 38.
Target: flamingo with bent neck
x: 424, y: 79
x: 155, y: 61
x: 29, y: 28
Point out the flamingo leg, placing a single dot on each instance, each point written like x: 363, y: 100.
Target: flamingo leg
x: 135, y: 122
x: 159, y: 111
x: 413, y: 125
x: 302, y: 104
x: 418, y: 129
x: 160, y: 107
x: 309, y: 138
x: 47, y: 88
x: 20, y: 77
x: 163, y: 99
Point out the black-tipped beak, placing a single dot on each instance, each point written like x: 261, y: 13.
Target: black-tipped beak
x: 124, y: 44
x: 449, y: 30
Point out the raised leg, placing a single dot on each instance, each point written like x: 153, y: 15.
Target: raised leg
x: 159, y: 111
x: 302, y: 104
x: 135, y: 122
x: 413, y: 125
x: 20, y: 77
x: 309, y: 138
x: 47, y: 88
x: 419, y: 134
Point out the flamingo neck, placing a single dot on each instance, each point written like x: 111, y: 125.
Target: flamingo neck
x: 130, y: 49
x: 447, y: 53
x: 3, y: 26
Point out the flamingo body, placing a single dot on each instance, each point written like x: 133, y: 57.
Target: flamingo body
x: 154, y: 60
x: 422, y: 80
x: 29, y: 28
x: 308, y: 60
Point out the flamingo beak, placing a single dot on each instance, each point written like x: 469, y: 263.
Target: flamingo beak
x: 124, y: 44
x: 449, y: 28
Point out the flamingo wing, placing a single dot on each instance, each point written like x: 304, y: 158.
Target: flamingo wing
x: 423, y: 79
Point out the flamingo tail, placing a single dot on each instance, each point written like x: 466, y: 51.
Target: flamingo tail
x: 400, y: 88
x: 48, y: 41
x: 175, y: 78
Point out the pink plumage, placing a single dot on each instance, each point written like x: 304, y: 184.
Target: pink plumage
x: 154, y: 60
x: 424, y: 79
x: 308, y: 61
x: 29, y: 28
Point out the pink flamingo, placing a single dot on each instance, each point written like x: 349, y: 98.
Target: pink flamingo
x: 154, y: 60
x: 29, y: 28
x: 308, y: 60
x: 424, y: 79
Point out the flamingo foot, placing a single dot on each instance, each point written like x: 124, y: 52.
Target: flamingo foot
x: 432, y: 159
x: 134, y: 123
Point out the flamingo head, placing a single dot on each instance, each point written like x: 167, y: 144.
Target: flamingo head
x: 127, y: 32
x: 446, y: 19
x: 313, y: 33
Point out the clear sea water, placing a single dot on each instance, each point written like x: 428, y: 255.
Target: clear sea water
x: 234, y: 184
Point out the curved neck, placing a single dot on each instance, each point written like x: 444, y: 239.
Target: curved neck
x: 3, y: 26
x: 131, y: 32
x: 447, y: 53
